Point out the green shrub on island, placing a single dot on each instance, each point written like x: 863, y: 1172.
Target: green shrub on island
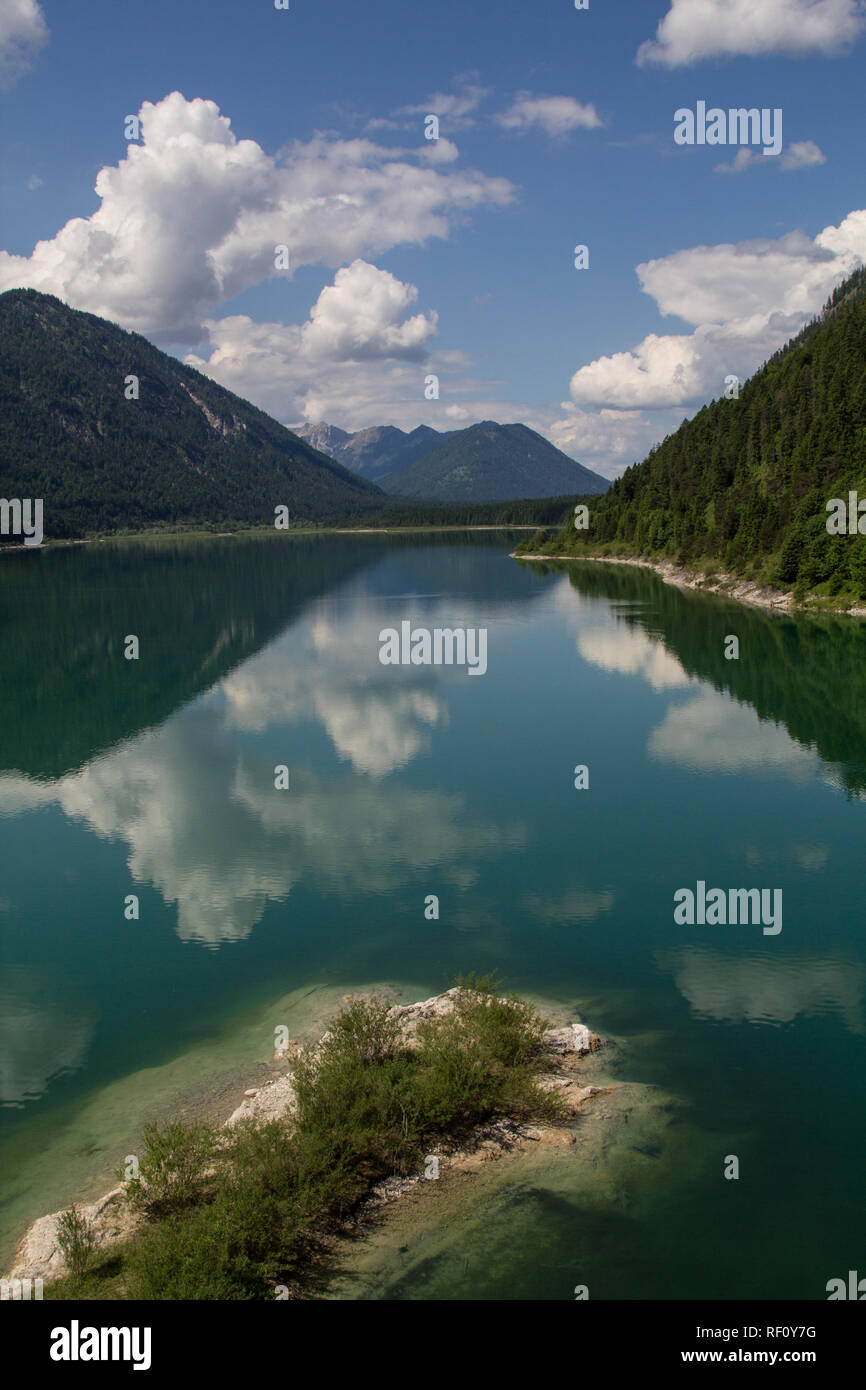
x: 264, y: 1200
x: 76, y: 1241
x: 482, y: 1061
x: 171, y: 1171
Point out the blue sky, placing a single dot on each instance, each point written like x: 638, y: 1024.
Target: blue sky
x: 412, y: 257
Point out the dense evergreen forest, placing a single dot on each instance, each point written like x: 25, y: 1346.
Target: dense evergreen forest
x: 745, y: 484
x: 538, y: 511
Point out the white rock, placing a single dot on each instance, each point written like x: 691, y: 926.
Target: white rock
x: 39, y: 1255
x: 575, y: 1038
x: 271, y: 1102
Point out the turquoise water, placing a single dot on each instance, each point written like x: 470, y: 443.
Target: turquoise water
x: 156, y: 778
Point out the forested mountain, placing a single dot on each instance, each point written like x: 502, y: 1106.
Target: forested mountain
x: 747, y: 481
x: 377, y: 451
x: 186, y: 451
x: 492, y: 462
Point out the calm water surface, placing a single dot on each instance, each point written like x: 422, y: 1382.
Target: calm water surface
x: 156, y: 778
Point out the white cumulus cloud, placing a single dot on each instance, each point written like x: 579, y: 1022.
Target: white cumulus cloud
x: 606, y: 440
x: 192, y: 215
x: 356, y: 345
x: 360, y: 316
x: 744, y: 301
x: 555, y: 115
x: 693, y: 30
x: 23, y: 32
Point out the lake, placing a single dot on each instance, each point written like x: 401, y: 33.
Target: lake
x: 257, y: 906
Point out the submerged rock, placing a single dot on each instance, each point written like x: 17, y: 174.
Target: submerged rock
x: 574, y: 1039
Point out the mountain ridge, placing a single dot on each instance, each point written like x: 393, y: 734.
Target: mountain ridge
x: 186, y: 451
x: 375, y: 451
x: 489, y: 462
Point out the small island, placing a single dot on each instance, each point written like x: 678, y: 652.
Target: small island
x: 257, y: 1208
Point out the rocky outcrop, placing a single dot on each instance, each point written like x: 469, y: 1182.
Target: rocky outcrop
x: 39, y: 1255
x: 268, y: 1102
x: 277, y: 1097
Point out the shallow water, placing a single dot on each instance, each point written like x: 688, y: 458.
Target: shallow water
x: 156, y: 778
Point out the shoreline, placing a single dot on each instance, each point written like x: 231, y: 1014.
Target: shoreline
x: 724, y: 585
x: 156, y: 535
x: 400, y: 530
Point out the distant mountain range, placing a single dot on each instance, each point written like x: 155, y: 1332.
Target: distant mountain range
x: 487, y: 462
x: 374, y: 452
